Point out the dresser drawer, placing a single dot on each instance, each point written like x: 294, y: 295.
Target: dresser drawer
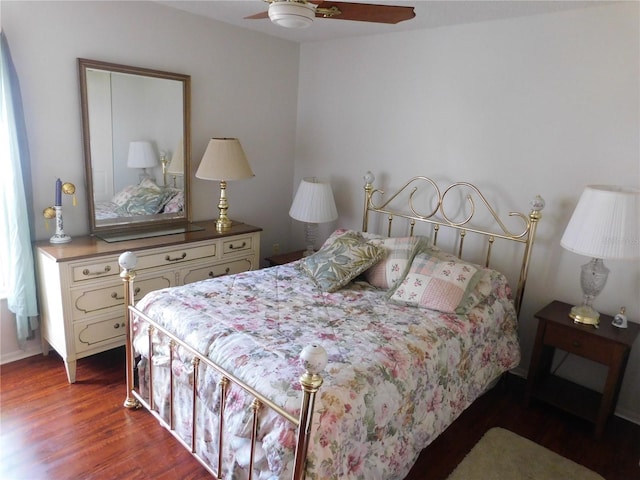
x: 99, y: 299
x: 176, y: 255
x: 236, y: 245
x: 94, y: 334
x: 579, y: 343
x: 228, y: 268
x: 93, y: 270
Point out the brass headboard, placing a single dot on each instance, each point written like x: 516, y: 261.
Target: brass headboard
x: 436, y: 216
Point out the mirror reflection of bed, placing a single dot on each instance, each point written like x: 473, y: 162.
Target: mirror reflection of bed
x: 140, y: 202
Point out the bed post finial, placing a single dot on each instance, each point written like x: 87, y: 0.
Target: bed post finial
x: 369, y: 178
x: 128, y: 262
x: 537, y: 204
x: 314, y: 359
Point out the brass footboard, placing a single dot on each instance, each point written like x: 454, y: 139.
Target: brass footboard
x: 313, y: 358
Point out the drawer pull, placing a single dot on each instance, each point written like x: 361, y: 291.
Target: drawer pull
x: 87, y: 273
x: 115, y: 295
x: 226, y: 272
x: 181, y: 257
x: 232, y: 247
x: 118, y: 325
x: 576, y: 343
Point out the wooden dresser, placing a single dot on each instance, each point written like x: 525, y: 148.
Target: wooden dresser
x: 81, y: 293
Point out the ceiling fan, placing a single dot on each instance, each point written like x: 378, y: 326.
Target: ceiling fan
x: 300, y: 13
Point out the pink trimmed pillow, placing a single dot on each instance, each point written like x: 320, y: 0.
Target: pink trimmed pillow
x: 437, y: 284
x: 399, y: 252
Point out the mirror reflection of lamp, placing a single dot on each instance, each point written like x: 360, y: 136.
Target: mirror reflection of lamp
x: 142, y: 155
x: 164, y: 162
x: 176, y: 167
x: 224, y: 160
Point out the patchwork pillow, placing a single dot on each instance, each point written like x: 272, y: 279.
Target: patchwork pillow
x: 399, y: 252
x: 336, y: 264
x: 439, y: 284
x: 484, y: 286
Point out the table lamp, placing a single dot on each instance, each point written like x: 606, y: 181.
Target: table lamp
x: 313, y: 204
x: 224, y: 160
x: 604, y: 225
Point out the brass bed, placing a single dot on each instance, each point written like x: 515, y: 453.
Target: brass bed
x: 213, y: 397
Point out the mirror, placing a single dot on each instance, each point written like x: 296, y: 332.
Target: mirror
x: 137, y: 137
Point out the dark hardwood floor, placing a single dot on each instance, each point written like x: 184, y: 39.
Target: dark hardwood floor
x: 52, y: 430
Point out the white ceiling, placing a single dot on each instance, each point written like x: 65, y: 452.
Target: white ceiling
x: 429, y: 14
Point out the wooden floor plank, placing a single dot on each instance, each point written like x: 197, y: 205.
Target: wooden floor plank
x: 52, y: 430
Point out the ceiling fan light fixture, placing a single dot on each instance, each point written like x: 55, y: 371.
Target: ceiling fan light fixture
x: 292, y: 14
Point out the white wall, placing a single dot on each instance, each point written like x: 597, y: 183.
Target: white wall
x: 243, y: 84
x: 540, y: 105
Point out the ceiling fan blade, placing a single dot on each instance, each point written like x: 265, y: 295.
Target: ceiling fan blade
x: 367, y: 12
x: 258, y: 16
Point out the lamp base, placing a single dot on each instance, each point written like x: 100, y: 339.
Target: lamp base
x: 223, y: 224
x: 585, y: 314
x: 60, y: 238
x: 310, y: 231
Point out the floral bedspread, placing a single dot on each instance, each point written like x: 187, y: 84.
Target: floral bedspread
x: 397, y: 376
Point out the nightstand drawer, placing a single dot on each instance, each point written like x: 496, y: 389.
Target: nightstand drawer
x: 580, y: 343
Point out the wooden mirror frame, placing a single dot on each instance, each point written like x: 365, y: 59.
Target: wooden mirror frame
x: 141, y: 222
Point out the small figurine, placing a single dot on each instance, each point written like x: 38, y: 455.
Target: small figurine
x: 620, y: 320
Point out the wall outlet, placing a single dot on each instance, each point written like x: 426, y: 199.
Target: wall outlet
x: 276, y: 248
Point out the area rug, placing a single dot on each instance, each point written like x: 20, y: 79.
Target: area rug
x: 501, y: 454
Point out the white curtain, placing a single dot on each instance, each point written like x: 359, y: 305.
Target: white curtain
x: 16, y: 255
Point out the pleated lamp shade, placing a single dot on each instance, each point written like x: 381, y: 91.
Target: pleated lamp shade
x: 605, y: 223
x: 314, y: 202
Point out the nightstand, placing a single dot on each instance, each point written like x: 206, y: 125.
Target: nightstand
x: 607, y: 345
x: 282, y: 258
